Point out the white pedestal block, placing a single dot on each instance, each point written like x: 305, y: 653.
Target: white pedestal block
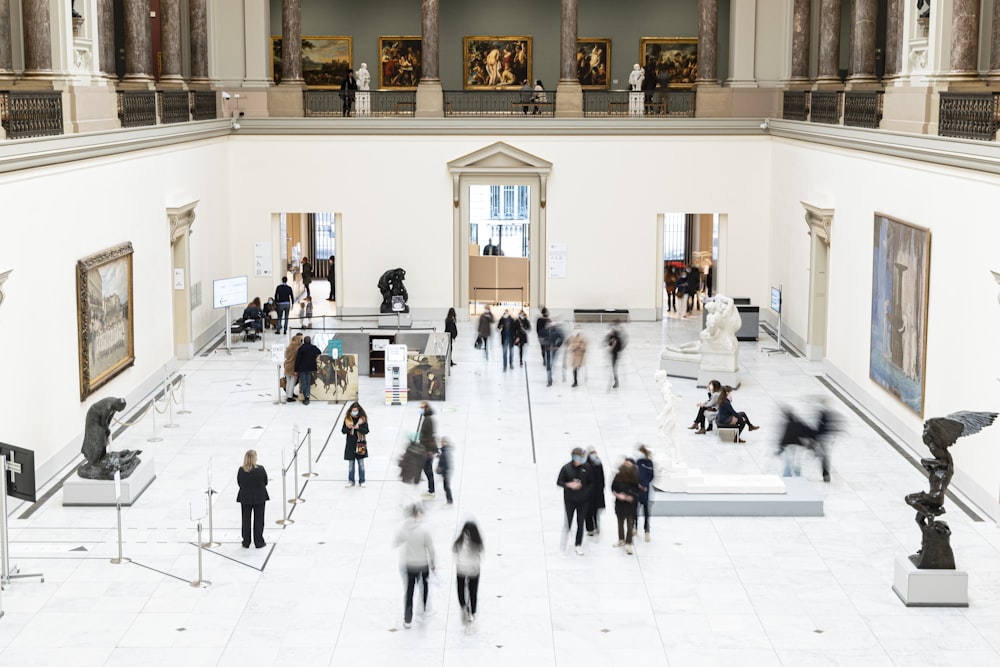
x: 798, y: 499
x: 364, y: 100
x: 391, y: 320
x: 679, y: 368
x: 929, y: 588
x: 101, y: 492
x: 636, y: 103
x: 694, y: 481
x: 731, y: 378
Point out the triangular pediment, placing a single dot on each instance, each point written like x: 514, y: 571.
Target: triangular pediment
x: 502, y: 157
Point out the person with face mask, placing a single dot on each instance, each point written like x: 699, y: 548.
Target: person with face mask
x: 576, y: 480
x: 429, y: 441
x: 593, y: 522
x: 356, y: 446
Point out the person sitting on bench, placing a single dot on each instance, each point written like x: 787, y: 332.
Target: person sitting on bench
x: 729, y: 418
x: 711, y: 405
x: 253, y: 316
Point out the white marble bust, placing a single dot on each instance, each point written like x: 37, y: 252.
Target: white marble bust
x: 636, y: 77
x: 363, y: 77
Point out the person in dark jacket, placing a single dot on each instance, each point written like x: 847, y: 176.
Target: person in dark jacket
x: 597, y: 504
x: 331, y: 277
x: 644, y: 466
x: 613, y: 341
x: 485, y: 328
x: 451, y: 328
x: 252, y: 480
x: 427, y: 438
x: 727, y: 415
x: 307, y: 274
x: 283, y: 298
x: 348, y: 90
x: 305, y: 366
x: 508, y: 332
x: 521, y: 339
x: 356, y: 445
x: 576, y: 480
x: 542, y: 331
x: 625, y: 489
x: 444, y: 467
x: 254, y: 313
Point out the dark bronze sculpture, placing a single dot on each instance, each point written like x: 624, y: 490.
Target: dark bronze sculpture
x: 394, y: 294
x: 100, y: 463
x: 940, y: 433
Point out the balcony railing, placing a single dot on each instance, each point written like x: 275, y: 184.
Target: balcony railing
x: 658, y: 104
x: 174, y: 106
x: 795, y: 105
x: 203, y: 105
x: 863, y: 108
x: 137, y: 108
x: 382, y: 103
x: 25, y: 114
x: 969, y: 115
x: 499, y: 103
x: 824, y: 106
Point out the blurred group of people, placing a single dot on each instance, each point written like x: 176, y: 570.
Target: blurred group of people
x: 686, y: 282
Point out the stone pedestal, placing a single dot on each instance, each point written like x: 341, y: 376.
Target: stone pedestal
x: 430, y: 99
x: 285, y: 101
x: 79, y: 492
x: 705, y: 375
x: 680, y: 368
x: 636, y: 104
x: 799, y: 499
x: 569, y: 99
x: 929, y: 588
x: 392, y: 320
x: 713, y: 101
x: 92, y: 108
x: 364, y: 104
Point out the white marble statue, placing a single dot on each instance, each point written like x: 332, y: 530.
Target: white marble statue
x: 671, y: 458
x: 363, y: 76
x: 719, y: 348
x: 636, y: 77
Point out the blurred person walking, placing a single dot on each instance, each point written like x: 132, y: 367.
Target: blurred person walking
x: 576, y: 480
x: 647, y: 471
x: 508, y: 332
x: 615, y: 343
x: 425, y: 429
x: 597, y: 503
x: 485, y: 330
x: 416, y: 559
x: 468, y: 548
x: 291, y: 352
x: 625, y: 489
x: 577, y: 346
x: 523, y: 327
x: 445, y: 466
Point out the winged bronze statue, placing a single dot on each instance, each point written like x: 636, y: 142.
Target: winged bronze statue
x: 940, y: 433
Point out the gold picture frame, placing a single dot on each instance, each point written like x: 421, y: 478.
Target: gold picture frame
x: 593, y: 62
x: 105, y: 319
x: 675, y: 59
x: 495, y: 62
x: 400, y: 60
x: 325, y: 60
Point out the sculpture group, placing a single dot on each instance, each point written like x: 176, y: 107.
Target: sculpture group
x: 394, y: 294
x: 100, y: 463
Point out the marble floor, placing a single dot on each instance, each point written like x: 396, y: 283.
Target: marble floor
x: 327, y: 589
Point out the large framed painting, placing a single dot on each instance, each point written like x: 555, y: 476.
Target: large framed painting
x: 325, y: 60
x: 104, y: 316
x: 593, y: 62
x: 425, y: 377
x: 900, y: 281
x: 674, y: 58
x: 335, y: 379
x: 492, y: 63
x: 399, y: 62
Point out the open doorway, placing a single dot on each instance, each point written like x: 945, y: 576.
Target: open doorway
x: 499, y: 246
x: 307, y: 251
x: 690, y: 262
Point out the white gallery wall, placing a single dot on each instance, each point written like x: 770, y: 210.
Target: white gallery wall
x: 963, y: 358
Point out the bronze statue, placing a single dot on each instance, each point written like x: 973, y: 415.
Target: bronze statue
x: 394, y: 294
x: 100, y: 463
x: 940, y: 433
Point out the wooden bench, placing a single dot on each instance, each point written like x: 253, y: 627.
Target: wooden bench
x: 727, y: 433
x: 600, y: 313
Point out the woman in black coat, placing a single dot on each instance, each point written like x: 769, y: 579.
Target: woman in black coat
x: 252, y: 480
x: 356, y: 446
x: 597, y: 504
x: 625, y: 489
x: 451, y: 328
x: 521, y: 339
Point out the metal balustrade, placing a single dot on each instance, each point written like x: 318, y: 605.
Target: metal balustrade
x: 825, y: 106
x: 969, y: 115
x: 174, y: 106
x: 499, y: 103
x: 37, y: 113
x: 795, y: 105
x: 137, y: 108
x: 204, y: 105
x: 657, y: 104
x: 863, y: 108
x: 382, y: 103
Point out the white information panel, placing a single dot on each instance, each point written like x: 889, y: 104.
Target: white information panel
x: 178, y: 279
x: 395, y: 374
x: 228, y: 292
x: 556, y: 260
x: 261, y: 259
x: 278, y: 353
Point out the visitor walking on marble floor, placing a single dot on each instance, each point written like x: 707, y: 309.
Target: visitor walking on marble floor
x: 576, y: 346
x: 468, y: 549
x: 615, y: 343
x: 508, y: 332
x: 427, y: 437
x: 305, y: 366
x: 307, y: 274
x: 451, y: 328
x: 416, y: 559
x: 523, y: 327
x: 647, y: 471
x: 291, y: 352
x: 283, y: 298
x: 597, y: 502
x: 576, y: 480
x: 625, y: 489
x: 485, y: 329
x: 355, y: 427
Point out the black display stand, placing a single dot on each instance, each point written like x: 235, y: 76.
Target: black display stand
x: 376, y: 357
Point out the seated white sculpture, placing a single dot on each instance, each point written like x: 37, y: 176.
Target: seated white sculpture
x: 718, y: 348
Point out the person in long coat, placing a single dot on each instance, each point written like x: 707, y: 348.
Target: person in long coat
x: 290, y: 378
x: 252, y: 480
x: 355, y: 427
x: 577, y: 346
x: 485, y: 329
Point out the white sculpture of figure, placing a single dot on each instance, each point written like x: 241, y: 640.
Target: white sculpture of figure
x: 363, y: 77
x: 666, y: 430
x: 636, y: 77
x: 719, y: 348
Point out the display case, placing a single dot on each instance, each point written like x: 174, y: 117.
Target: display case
x: 376, y: 353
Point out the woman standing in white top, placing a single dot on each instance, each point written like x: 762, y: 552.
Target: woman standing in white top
x: 468, y: 550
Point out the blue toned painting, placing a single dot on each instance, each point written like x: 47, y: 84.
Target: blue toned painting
x: 900, y: 272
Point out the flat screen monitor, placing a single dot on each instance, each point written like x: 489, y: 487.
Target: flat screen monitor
x: 229, y: 292
x: 776, y: 299
x: 20, y: 485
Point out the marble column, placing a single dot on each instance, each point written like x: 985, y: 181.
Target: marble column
x: 893, y: 37
x: 829, y: 42
x: 995, y: 42
x: 965, y: 38
x: 37, y: 38
x: 429, y: 44
x: 170, y: 41
x: 708, y: 40
x: 291, y: 42
x: 569, y: 15
x: 861, y: 66
x: 198, y: 28
x: 430, y: 96
x: 106, y: 37
x: 138, y: 42
x: 801, y: 26
x: 6, y: 55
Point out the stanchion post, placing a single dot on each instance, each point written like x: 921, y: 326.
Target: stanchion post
x: 284, y: 520
x: 121, y: 559
x: 295, y: 463
x: 201, y: 582
x: 168, y: 393
x: 309, y: 451
x: 211, y: 542
x: 152, y: 407
x: 183, y: 410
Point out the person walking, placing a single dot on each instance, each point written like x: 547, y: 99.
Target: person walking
x: 468, y: 549
x: 305, y: 366
x: 252, y: 481
x: 348, y: 90
x: 416, y: 559
x: 425, y: 428
x: 307, y: 275
x: 485, y: 330
x: 331, y: 277
x: 577, y: 346
x: 451, y: 328
x: 291, y: 352
x: 644, y: 466
x: 445, y: 466
x: 355, y: 427
x: 576, y: 480
x: 615, y: 344
x: 508, y: 332
x: 283, y: 298
x: 542, y: 331
x: 597, y: 504
x: 523, y: 327
x: 625, y: 489
x: 539, y: 97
